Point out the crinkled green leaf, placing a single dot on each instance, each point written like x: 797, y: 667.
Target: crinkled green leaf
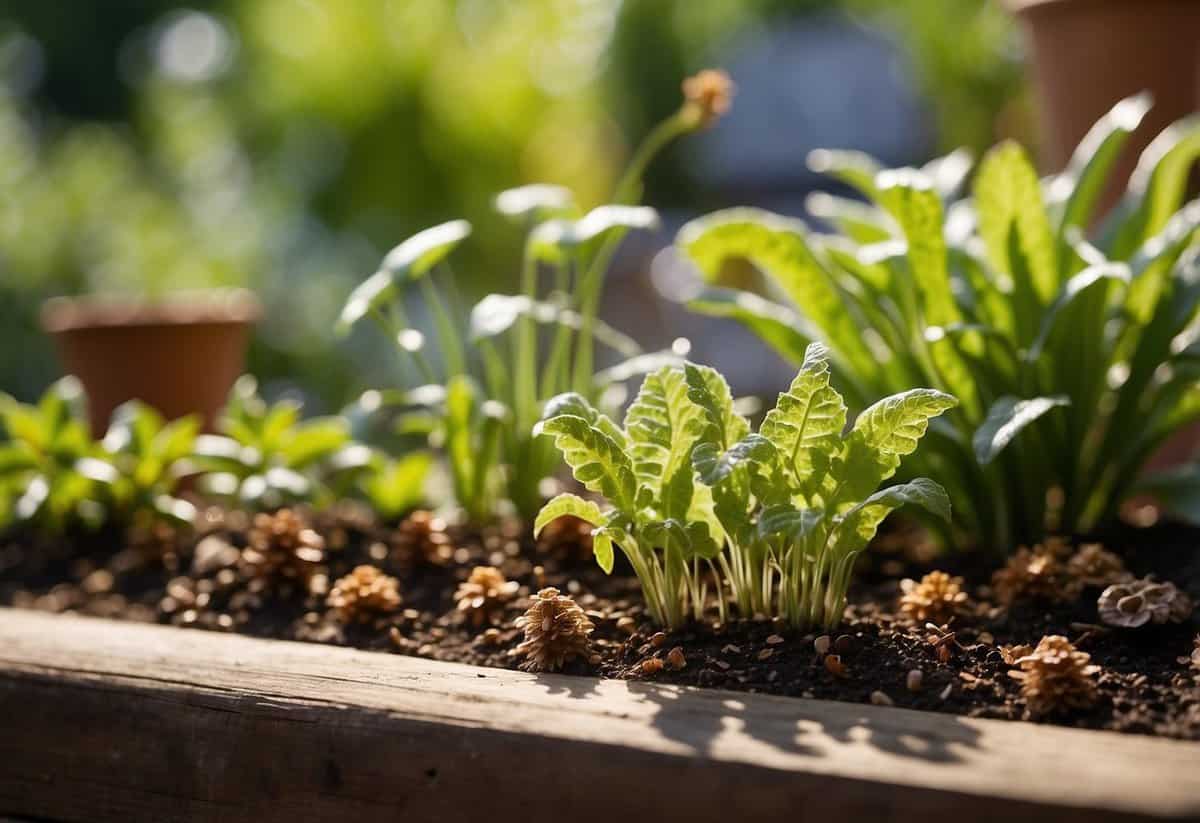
x: 568, y: 504
x: 883, y: 434
x: 596, y: 460
x: 662, y: 425
x: 708, y: 390
x: 787, y: 521
x: 805, y: 427
x: 859, y: 524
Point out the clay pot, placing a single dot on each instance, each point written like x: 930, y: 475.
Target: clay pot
x: 1089, y: 54
x: 180, y: 356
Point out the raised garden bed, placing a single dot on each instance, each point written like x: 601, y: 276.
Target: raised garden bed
x: 116, y: 721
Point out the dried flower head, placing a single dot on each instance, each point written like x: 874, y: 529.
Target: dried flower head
x: 707, y: 96
x: 935, y: 599
x: 421, y: 539
x: 1031, y: 573
x: 282, y: 548
x: 1138, y: 602
x: 1056, y: 676
x: 1094, y: 565
x: 556, y: 630
x: 364, y: 594
x: 483, y: 595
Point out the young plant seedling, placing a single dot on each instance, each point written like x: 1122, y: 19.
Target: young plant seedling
x: 265, y: 456
x: 657, y: 514
x: 799, y: 500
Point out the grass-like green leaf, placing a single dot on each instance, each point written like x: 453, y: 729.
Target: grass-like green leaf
x: 1007, y: 417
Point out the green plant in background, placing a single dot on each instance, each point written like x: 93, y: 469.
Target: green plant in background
x: 393, y: 488
x: 481, y: 405
x: 798, y: 500
x: 1073, y: 359
x: 150, y: 457
x: 659, y: 516
x: 48, y: 462
x: 776, y: 517
x: 265, y: 456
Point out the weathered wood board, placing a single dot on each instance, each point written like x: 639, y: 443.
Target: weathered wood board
x: 103, y: 721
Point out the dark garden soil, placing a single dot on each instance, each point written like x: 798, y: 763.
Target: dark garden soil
x: 1146, y: 682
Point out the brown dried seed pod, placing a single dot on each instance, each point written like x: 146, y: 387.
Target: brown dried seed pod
x: 1138, y: 602
x: 483, y: 594
x: 556, y: 630
x: 1056, y: 676
x: 1036, y: 572
x: 281, y: 548
x: 364, y: 594
x: 421, y: 538
x: 1094, y: 565
x: 936, y: 598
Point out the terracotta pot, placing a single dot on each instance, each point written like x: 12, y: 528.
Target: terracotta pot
x: 180, y: 356
x: 1088, y: 54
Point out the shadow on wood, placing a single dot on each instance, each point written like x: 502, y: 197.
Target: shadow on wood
x: 105, y: 721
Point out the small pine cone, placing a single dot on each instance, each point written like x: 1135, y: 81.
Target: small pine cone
x: 1036, y: 573
x: 1056, y: 676
x: 1139, y: 602
x: 364, y: 594
x: 483, y: 595
x: 1093, y: 565
x: 282, y: 548
x: 155, y: 541
x: 556, y: 630
x: 935, y: 599
x: 421, y: 539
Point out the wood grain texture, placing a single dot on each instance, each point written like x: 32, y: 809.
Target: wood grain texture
x: 103, y: 721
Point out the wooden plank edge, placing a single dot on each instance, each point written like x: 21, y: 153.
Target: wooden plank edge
x: 114, y: 721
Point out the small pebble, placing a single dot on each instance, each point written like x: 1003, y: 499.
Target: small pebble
x: 822, y: 644
x: 627, y: 625
x: 765, y: 654
x: 658, y: 640
x: 675, y: 658
x: 729, y: 648
x: 915, y: 680
x: 844, y: 644
x: 878, y: 698
x: 774, y: 640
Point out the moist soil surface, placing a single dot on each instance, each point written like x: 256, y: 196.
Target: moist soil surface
x: 1146, y: 682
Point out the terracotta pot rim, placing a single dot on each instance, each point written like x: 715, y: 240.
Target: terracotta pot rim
x: 222, y: 307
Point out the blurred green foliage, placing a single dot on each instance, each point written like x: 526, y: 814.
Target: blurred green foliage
x: 282, y: 144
